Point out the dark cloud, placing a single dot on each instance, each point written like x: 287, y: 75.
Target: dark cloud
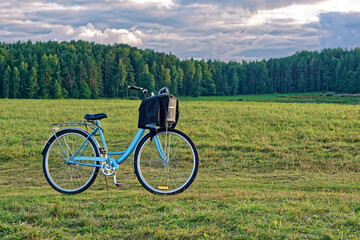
x: 266, y: 53
x: 252, y: 5
x: 340, y: 30
x: 197, y: 28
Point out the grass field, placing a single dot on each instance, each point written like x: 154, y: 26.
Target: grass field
x: 267, y: 171
x: 315, y: 97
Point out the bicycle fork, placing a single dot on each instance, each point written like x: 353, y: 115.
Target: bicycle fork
x: 164, y: 155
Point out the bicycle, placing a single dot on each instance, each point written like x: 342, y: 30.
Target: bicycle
x: 165, y: 160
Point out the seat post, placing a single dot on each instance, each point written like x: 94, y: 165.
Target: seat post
x: 101, y: 133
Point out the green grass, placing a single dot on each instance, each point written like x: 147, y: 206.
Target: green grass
x: 285, y: 98
x: 267, y: 171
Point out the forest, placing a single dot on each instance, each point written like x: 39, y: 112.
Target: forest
x: 80, y: 69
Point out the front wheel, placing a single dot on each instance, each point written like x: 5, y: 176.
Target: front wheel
x: 166, y: 163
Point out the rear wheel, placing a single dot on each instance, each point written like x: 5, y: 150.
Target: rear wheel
x: 63, y: 176
x: 167, y: 163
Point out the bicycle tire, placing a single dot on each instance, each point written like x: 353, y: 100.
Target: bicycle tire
x: 67, y: 178
x: 170, y: 177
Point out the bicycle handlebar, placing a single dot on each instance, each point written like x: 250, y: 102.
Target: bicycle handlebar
x: 136, y: 88
x: 144, y: 91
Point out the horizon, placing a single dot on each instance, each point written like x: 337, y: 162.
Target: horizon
x: 226, y: 31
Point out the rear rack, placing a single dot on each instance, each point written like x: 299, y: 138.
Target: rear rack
x: 57, y: 126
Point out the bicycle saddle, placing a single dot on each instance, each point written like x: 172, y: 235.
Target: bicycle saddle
x: 96, y: 116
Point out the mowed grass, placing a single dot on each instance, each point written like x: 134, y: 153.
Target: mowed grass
x: 267, y: 171
x: 312, y: 97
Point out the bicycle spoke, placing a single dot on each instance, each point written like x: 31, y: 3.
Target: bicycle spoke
x: 63, y: 154
x: 67, y: 146
x: 63, y: 148
x: 69, y: 177
x: 173, y: 172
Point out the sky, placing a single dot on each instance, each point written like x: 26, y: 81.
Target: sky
x: 226, y: 30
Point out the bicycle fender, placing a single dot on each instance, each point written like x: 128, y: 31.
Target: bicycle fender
x: 55, y: 135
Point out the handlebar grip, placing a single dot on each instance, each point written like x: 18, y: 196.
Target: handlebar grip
x: 135, y: 88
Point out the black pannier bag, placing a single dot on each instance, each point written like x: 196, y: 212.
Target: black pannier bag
x: 160, y: 111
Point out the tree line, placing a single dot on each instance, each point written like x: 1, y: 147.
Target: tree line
x: 80, y: 69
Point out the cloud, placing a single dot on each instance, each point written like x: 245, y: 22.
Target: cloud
x: 224, y: 30
x: 130, y: 4
x: 150, y: 3
x: 340, y: 30
x: 206, y: 31
x: 252, y: 5
x: 53, y: 21
x: 108, y: 36
x: 89, y: 33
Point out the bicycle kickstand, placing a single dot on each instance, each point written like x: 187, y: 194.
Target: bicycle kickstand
x: 118, y: 184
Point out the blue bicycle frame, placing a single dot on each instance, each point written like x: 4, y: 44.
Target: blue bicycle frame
x: 77, y: 156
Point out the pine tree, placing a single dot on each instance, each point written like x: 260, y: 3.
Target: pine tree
x: 218, y: 77
x: 147, y: 80
x: 167, y: 77
x: 2, y: 70
x: 263, y: 81
x: 15, y: 83
x: 121, y: 78
x: 207, y: 85
x: 189, y: 72
x: 180, y: 82
x: 24, y: 80
x: 82, y: 79
x: 84, y: 90
x: 339, y: 76
x: 33, y: 87
x: 356, y: 85
x: 44, y: 77
x: 7, y: 83
x: 56, y: 92
x: 137, y: 62
x: 234, y: 83
x: 53, y: 70
x: 195, y: 87
x: 233, y: 77
x: 95, y: 79
x: 174, y: 80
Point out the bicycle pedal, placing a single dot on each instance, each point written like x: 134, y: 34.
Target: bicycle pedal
x: 118, y: 184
